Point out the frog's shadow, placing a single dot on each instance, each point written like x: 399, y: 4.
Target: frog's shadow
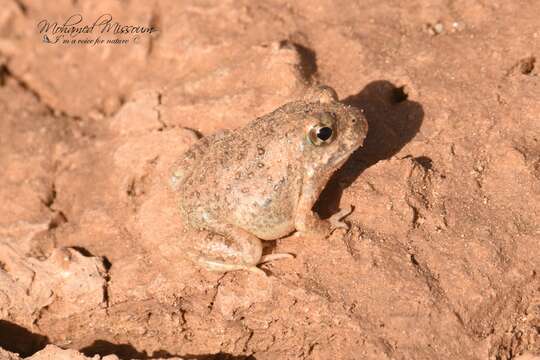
x: 393, y: 121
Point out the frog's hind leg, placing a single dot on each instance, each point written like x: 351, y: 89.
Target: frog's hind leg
x: 215, y: 265
x: 237, y: 250
x: 220, y: 266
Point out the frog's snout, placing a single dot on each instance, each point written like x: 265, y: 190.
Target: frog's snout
x: 360, y: 126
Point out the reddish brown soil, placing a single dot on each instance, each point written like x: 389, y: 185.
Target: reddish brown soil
x: 443, y: 256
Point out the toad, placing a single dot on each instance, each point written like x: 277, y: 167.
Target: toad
x: 237, y: 188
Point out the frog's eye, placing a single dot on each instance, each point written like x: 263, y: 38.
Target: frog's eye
x: 320, y: 135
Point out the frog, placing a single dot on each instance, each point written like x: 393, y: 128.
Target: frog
x: 239, y: 189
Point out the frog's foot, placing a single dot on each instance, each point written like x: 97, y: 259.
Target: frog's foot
x: 272, y: 257
x: 213, y: 265
x: 336, y: 221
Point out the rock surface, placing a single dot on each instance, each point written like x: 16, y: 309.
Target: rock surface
x: 442, y: 257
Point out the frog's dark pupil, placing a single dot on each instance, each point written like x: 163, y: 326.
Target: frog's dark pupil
x: 324, y: 133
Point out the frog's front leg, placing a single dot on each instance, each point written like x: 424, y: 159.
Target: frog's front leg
x: 307, y: 222
x: 245, y: 252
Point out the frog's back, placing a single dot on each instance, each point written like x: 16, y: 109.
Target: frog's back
x: 248, y: 177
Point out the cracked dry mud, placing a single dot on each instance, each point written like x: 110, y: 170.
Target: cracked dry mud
x: 442, y: 259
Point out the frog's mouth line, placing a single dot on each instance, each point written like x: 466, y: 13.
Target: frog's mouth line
x: 339, y: 161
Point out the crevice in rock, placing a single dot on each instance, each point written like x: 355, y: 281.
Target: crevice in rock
x: 196, y: 132
x: 50, y: 197
x: 128, y: 351
x: 155, y: 21
x: 308, y: 59
x: 58, y: 217
x: 22, y: 7
x: 26, y: 87
x: 218, y: 284
x: 523, y: 66
x: 250, y: 336
x: 18, y: 339
x: 424, y: 162
x: 106, y: 264
x: 3, y: 75
x: 49, y: 109
x: 158, y: 111
x: 416, y: 215
x: 429, y: 278
x: 526, y: 65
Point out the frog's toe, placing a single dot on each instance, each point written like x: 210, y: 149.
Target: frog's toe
x: 336, y: 221
x: 339, y: 224
x: 219, y: 266
x: 272, y: 257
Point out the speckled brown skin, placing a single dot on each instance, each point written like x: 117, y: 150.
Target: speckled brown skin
x: 261, y: 181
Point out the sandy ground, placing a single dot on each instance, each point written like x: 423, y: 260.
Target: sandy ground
x: 443, y: 255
